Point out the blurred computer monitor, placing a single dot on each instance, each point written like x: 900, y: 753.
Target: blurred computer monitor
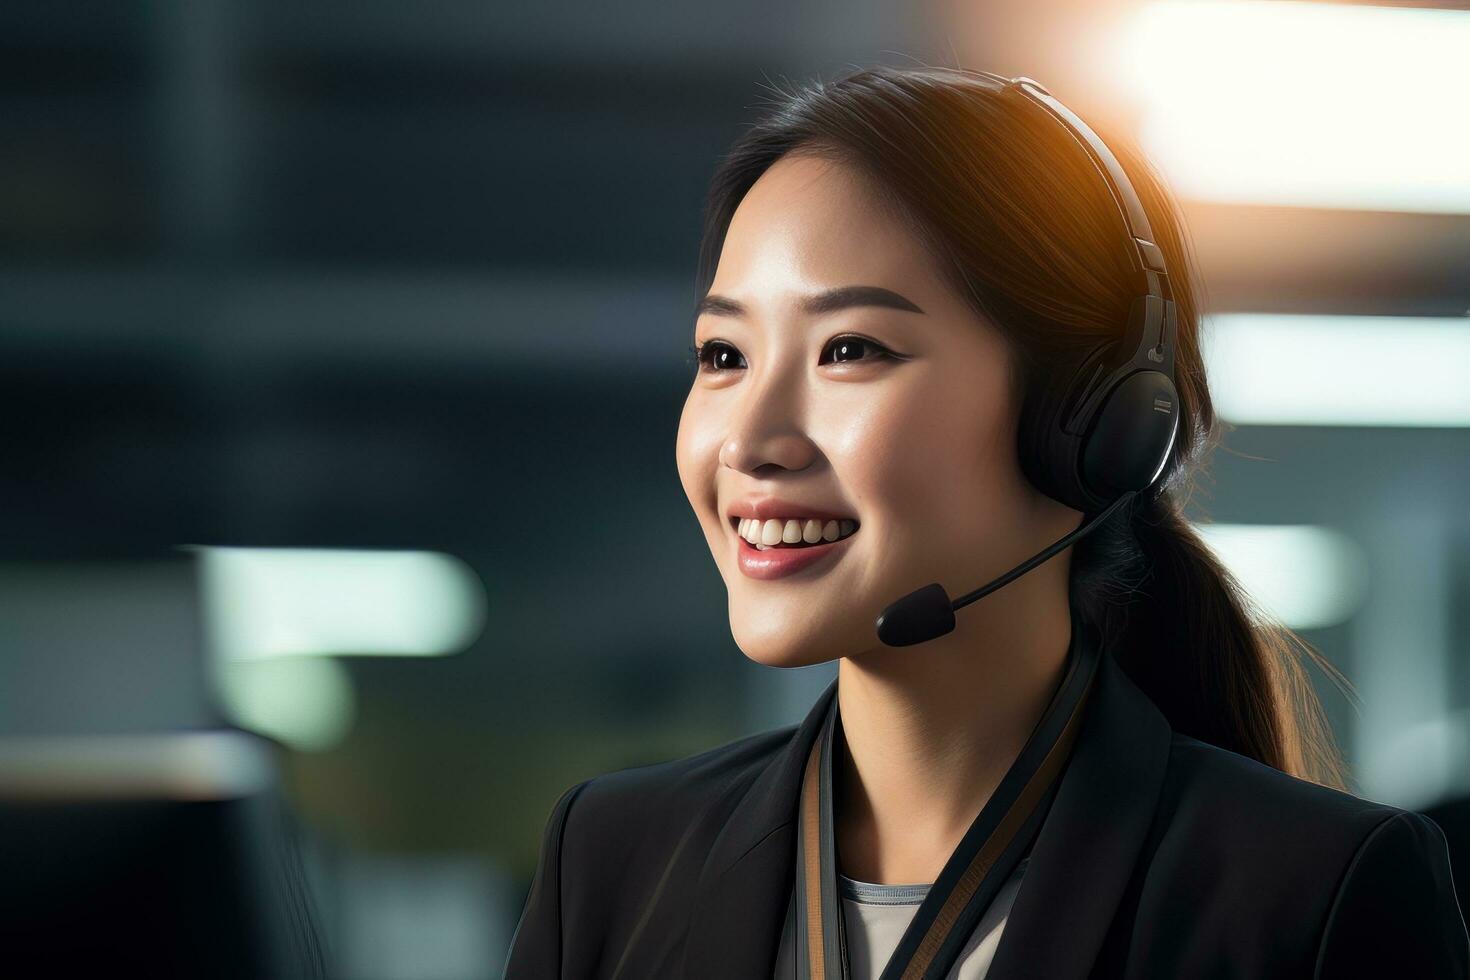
x: 139, y: 835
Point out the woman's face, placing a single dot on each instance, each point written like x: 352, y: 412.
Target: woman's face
x: 795, y: 413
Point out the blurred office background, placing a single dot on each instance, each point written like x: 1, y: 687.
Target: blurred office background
x: 382, y: 310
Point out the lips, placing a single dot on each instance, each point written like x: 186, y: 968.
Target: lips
x: 778, y: 562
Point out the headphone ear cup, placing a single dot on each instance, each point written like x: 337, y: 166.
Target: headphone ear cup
x: 1050, y: 456
x: 1129, y: 444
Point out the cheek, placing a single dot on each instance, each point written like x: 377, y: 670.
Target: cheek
x: 937, y: 449
x: 697, y: 452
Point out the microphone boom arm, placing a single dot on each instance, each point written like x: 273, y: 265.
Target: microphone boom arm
x: 928, y: 612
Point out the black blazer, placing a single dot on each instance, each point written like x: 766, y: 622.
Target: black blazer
x: 1161, y: 856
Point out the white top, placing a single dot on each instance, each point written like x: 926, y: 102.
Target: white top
x: 877, y: 915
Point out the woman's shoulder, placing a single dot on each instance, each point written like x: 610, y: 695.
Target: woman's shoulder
x: 1372, y: 878
x: 687, y: 780
x: 626, y: 829
x: 1235, y: 794
x: 1257, y: 821
x: 636, y: 834
x: 1255, y: 830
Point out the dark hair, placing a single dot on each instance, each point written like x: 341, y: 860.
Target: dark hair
x: 1024, y: 227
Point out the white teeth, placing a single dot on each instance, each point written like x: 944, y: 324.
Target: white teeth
x: 769, y: 533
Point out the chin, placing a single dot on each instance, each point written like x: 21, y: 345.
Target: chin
x: 786, y: 649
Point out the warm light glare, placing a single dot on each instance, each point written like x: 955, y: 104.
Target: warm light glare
x: 1314, y: 104
x: 1301, y: 575
x: 1298, y: 369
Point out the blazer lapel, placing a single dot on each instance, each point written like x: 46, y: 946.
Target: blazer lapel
x: 1090, y: 841
x: 1080, y: 863
x: 745, y: 886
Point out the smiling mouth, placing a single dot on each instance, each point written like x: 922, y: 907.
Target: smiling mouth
x: 829, y: 532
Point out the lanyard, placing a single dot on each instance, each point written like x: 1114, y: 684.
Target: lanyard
x: 985, y: 857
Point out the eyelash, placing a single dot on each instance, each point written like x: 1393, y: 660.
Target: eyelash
x: 702, y: 363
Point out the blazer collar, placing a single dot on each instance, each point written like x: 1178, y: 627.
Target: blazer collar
x: 1092, y: 834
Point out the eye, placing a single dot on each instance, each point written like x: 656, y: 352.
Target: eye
x: 714, y: 356
x: 852, y: 348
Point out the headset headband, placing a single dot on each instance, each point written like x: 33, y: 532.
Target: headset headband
x: 1148, y: 257
x: 1111, y: 426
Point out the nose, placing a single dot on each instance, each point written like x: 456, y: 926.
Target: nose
x: 768, y: 430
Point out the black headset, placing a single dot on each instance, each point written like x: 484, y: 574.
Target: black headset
x: 1094, y: 438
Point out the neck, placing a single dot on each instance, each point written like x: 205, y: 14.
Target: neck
x: 931, y: 730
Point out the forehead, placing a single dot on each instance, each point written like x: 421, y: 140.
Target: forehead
x: 813, y: 221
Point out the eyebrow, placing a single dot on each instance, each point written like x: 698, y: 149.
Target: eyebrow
x: 841, y: 298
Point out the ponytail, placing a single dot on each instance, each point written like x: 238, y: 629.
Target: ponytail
x: 1191, y: 638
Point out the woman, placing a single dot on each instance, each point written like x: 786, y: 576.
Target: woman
x: 911, y: 282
